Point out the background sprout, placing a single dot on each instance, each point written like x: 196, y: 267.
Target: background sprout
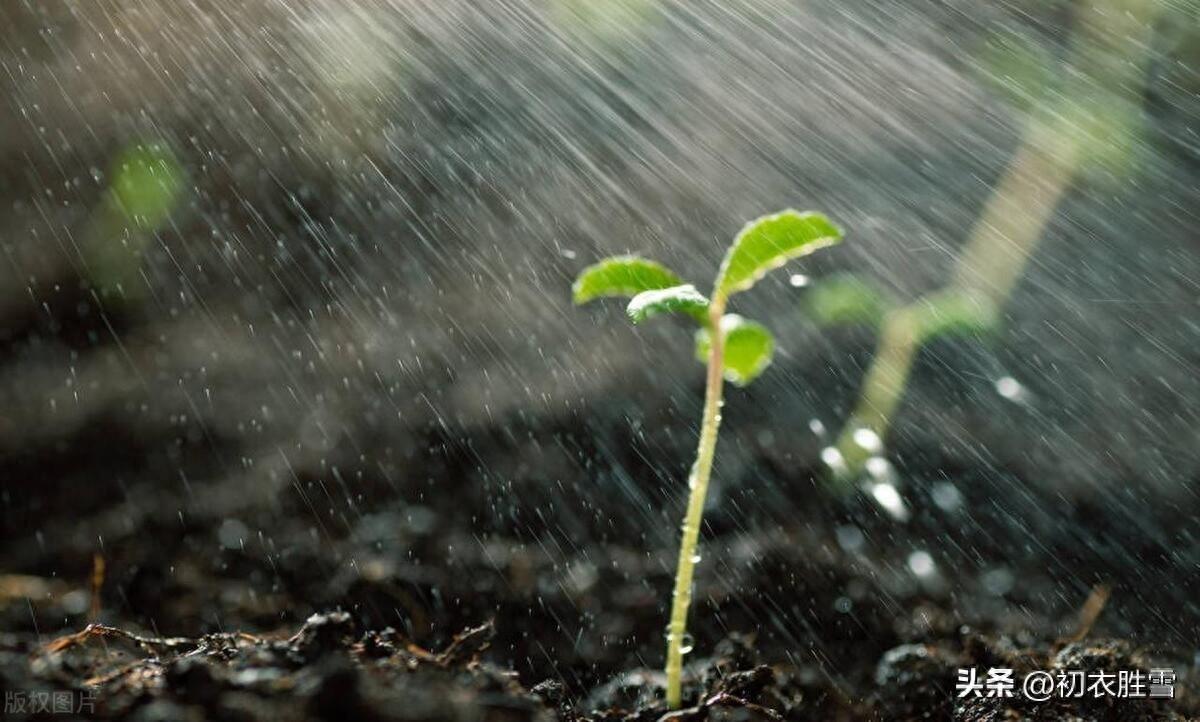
x: 733, y: 347
x: 1091, y: 122
x: 147, y: 182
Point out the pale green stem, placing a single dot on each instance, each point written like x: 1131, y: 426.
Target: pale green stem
x: 1020, y: 208
x: 698, y: 486
x: 883, y: 387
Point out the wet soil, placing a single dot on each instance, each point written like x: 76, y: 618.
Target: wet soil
x: 338, y: 591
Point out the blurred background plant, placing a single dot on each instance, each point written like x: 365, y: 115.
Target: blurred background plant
x: 146, y: 185
x: 1085, y: 118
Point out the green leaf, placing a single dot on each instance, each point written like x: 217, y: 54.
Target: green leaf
x: 147, y: 186
x: 748, y: 348
x: 846, y: 299
x: 146, y: 181
x: 622, y: 276
x: 769, y: 242
x: 684, y: 298
x: 954, y: 313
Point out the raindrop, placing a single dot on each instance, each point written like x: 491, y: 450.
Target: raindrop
x: 833, y: 460
x: 1011, y: 389
x: 868, y: 440
x: 688, y: 644
x: 881, y: 470
x: 798, y: 280
x: 849, y: 537
x: 946, y: 496
x: 889, y: 498
x: 998, y: 581
x: 921, y: 563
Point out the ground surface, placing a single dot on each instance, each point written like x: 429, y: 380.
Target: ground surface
x: 818, y: 618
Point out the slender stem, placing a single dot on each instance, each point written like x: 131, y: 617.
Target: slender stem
x: 1019, y: 210
x: 883, y: 387
x: 698, y: 485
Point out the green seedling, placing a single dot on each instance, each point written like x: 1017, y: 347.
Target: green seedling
x: 734, y: 348
x: 1087, y: 120
x: 845, y: 299
x: 903, y: 331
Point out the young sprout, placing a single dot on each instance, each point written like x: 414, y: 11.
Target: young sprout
x: 903, y: 329
x: 734, y: 348
x: 1087, y: 120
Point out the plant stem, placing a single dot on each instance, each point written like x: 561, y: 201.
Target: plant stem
x: 883, y: 387
x: 1020, y: 208
x: 698, y: 485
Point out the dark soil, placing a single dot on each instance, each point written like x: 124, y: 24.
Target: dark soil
x: 441, y: 609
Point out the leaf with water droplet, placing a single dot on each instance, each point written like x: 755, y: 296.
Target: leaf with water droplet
x: 622, y: 276
x: 748, y: 348
x: 676, y: 299
x: 769, y: 242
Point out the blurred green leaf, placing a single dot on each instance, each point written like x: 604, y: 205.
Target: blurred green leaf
x: 769, y: 242
x: 846, y: 299
x: 146, y: 185
x: 954, y: 313
x: 146, y: 182
x: 684, y: 299
x: 748, y: 348
x: 622, y: 276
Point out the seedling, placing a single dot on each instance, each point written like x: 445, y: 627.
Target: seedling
x: 734, y: 348
x: 1068, y: 132
x: 903, y: 329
